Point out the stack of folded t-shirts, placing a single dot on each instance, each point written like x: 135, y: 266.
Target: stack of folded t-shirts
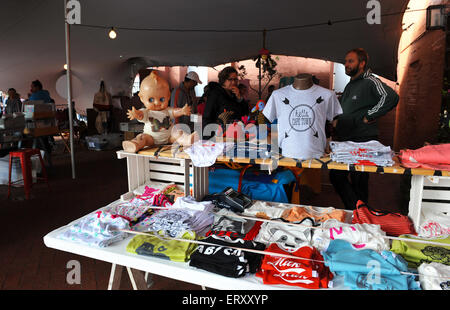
x: 225, y: 224
x: 250, y: 150
x: 99, y: 229
x: 430, y: 157
x: 361, y: 153
x: 289, y: 235
x: 264, y: 210
x: 157, y: 245
x: 184, y: 214
x: 220, y: 256
x: 298, y: 213
x: 131, y: 210
x: 361, y: 236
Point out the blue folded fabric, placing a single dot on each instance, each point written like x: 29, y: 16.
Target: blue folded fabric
x: 368, y: 269
x: 257, y: 186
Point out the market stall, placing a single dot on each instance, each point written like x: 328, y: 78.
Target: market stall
x: 336, y: 234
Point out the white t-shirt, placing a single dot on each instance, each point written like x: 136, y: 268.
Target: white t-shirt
x: 158, y: 124
x: 204, y: 153
x: 301, y: 118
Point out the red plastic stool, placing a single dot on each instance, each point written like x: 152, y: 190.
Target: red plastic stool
x: 25, y: 162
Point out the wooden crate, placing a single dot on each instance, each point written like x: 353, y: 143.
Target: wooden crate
x: 147, y: 170
x: 428, y: 192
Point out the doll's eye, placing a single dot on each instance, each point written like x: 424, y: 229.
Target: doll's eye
x: 151, y: 99
x: 162, y: 99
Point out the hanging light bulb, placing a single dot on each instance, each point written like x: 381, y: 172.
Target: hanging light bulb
x: 65, y: 66
x: 112, y: 33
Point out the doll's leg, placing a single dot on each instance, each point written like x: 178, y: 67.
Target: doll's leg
x: 138, y: 143
x: 183, y: 138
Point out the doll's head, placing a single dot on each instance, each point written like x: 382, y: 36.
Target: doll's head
x: 154, y: 92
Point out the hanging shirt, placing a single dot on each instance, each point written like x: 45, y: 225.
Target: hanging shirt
x: 204, y: 153
x: 301, y: 118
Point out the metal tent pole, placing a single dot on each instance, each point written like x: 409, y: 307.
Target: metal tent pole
x: 69, y: 88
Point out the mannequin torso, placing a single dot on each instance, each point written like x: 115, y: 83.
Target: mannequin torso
x: 303, y: 81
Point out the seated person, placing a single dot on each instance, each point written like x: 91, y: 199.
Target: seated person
x: 38, y: 93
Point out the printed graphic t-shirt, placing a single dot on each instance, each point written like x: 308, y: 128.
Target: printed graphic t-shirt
x: 301, y: 118
x: 158, y: 124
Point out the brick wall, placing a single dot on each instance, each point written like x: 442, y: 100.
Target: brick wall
x: 420, y: 74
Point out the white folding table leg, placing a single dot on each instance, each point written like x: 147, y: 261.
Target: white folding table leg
x: 137, y: 279
x: 115, y: 277
x: 415, y: 199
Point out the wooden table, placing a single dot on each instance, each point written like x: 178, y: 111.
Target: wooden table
x: 426, y: 184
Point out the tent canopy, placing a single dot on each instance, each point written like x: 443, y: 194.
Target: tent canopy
x: 177, y: 32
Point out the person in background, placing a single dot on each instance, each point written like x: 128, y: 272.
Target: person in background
x: 102, y: 104
x: 224, y: 100
x: 38, y: 93
x: 13, y: 103
x: 365, y: 99
x: 270, y: 89
x: 185, y: 94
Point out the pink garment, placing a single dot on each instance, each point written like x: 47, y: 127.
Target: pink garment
x: 435, y: 157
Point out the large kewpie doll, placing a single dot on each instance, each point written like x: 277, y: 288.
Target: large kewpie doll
x: 156, y: 116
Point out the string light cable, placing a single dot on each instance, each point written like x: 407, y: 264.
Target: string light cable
x: 328, y: 22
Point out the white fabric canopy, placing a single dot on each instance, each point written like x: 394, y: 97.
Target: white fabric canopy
x: 32, y: 37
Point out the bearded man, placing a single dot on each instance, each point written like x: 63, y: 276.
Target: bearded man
x: 364, y: 100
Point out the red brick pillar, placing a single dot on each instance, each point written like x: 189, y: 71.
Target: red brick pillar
x: 421, y: 76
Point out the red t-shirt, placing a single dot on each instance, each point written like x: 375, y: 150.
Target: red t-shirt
x: 295, y: 272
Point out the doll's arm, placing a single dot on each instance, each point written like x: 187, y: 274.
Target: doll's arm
x: 186, y: 110
x: 135, y: 114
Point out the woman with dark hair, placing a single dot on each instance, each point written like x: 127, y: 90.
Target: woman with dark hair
x: 224, y: 101
x: 13, y: 103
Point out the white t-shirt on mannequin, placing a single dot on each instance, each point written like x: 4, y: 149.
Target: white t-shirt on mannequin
x: 301, y: 118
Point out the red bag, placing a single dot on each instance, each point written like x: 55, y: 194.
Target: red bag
x: 394, y: 224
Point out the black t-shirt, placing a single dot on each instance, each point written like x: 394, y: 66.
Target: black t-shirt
x: 226, y: 261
